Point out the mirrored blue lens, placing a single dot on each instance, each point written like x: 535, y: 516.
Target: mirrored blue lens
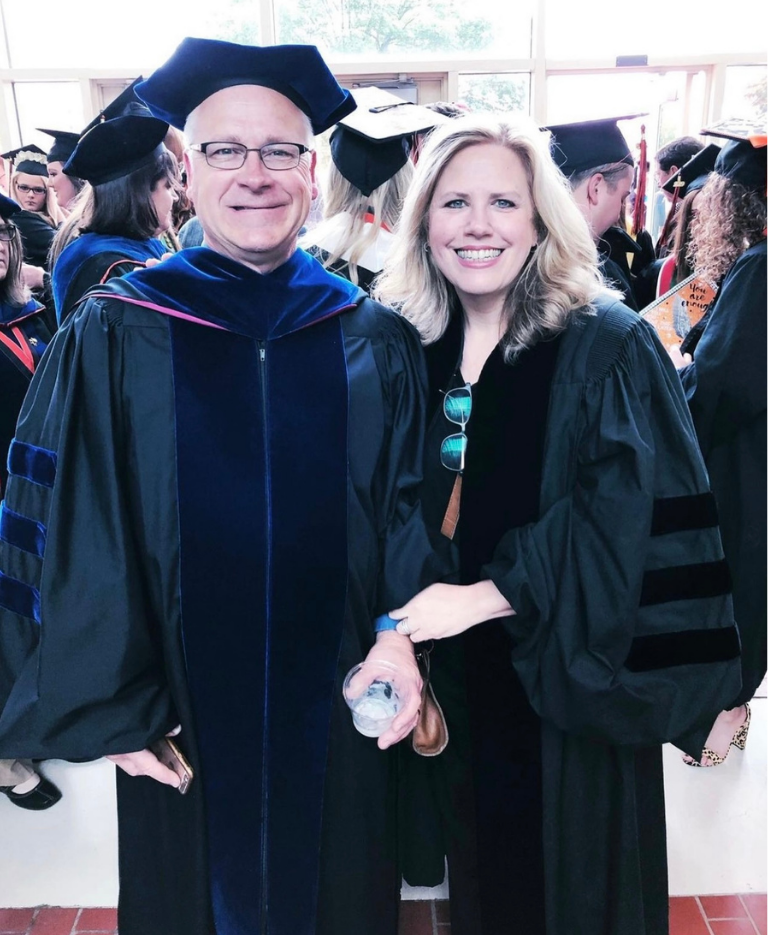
x: 453, y: 451
x: 457, y: 405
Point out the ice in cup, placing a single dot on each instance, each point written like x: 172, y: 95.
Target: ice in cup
x: 370, y: 692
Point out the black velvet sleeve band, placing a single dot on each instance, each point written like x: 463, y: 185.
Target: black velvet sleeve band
x: 685, y: 582
x: 681, y: 514
x: 688, y: 647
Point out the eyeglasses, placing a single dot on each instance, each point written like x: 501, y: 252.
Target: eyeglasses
x: 276, y: 156
x: 30, y: 188
x: 7, y: 232
x: 457, y: 408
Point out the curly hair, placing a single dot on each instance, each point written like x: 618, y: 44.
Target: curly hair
x: 561, y: 277
x: 729, y: 219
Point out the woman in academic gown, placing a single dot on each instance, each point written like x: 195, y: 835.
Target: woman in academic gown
x: 723, y: 373
x: 40, y: 215
x: 24, y: 336
x: 366, y: 183
x: 589, y: 619
x: 368, y: 177
x: 115, y: 227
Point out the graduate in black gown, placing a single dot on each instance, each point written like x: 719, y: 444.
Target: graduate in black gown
x: 216, y: 474
x: 724, y: 376
x: 24, y: 336
x: 368, y: 177
x: 598, y: 163
x: 589, y: 618
x: 116, y: 225
x: 40, y: 215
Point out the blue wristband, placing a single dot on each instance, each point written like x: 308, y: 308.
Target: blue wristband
x: 383, y: 623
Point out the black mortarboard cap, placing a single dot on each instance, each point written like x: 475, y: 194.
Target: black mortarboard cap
x: 366, y: 163
x: 115, y: 148
x: 742, y: 162
x: 743, y: 158
x: 30, y: 159
x: 580, y: 146
x: 201, y: 67
x: 126, y: 103
x: 371, y: 144
x: 64, y: 144
x: 8, y: 207
x: 693, y: 175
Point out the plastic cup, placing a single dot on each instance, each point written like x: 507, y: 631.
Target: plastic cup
x: 370, y: 692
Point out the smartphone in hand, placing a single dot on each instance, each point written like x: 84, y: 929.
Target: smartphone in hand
x: 167, y: 751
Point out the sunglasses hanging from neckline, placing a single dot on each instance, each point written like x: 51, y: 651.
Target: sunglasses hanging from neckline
x: 457, y: 408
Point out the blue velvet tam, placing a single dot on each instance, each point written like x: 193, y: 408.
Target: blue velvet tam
x: 64, y: 143
x: 116, y: 148
x: 28, y: 159
x: 8, y: 207
x: 201, y: 67
x: 577, y: 147
x: 693, y: 175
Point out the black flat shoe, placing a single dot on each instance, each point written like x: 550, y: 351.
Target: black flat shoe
x: 44, y: 795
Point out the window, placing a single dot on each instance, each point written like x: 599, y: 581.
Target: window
x: 500, y: 93
x: 745, y: 91
x: 57, y: 105
x: 388, y: 28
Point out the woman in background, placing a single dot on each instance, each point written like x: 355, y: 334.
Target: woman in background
x: 40, y: 215
x: 24, y: 336
x: 723, y: 374
x: 65, y: 187
x: 116, y: 227
x: 368, y: 178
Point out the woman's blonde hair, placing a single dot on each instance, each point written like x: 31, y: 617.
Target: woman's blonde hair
x: 561, y: 276
x: 341, y: 197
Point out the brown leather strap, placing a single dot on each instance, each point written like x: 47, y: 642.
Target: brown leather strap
x: 451, y: 518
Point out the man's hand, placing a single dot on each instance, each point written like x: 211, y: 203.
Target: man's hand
x: 397, y: 649
x: 145, y: 763
x: 443, y: 610
x: 153, y: 261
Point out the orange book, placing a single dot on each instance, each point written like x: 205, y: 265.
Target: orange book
x: 677, y: 311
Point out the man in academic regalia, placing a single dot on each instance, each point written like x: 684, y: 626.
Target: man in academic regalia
x: 598, y: 163
x: 212, y: 496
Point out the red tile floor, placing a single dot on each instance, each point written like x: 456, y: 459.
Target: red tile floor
x: 688, y: 915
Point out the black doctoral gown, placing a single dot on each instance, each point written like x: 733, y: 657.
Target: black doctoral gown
x: 586, y: 502
x: 213, y: 490
x: 726, y: 390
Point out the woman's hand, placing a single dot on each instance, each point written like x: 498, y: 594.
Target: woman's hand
x: 678, y: 359
x: 443, y: 610
x: 397, y: 649
x: 145, y: 763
